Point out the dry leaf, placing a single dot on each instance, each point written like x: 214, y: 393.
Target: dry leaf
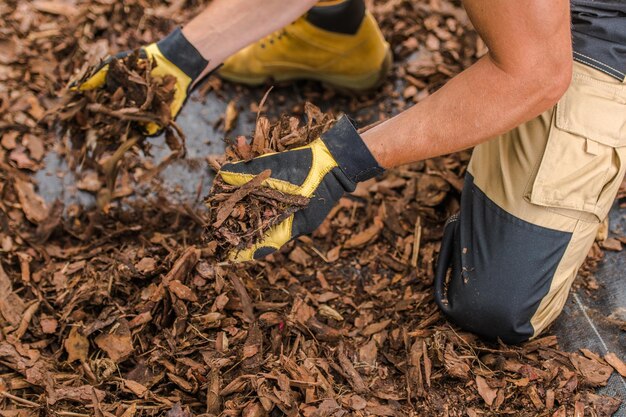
x: 230, y: 116
x: 34, y: 207
x: 486, y: 392
x: 375, y: 328
x: 329, y: 312
x: 48, y: 324
x: 366, y: 236
x: 182, y: 291
x: 135, y: 387
x: 118, y: 344
x: 76, y: 345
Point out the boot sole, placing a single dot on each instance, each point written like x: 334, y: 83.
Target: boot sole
x: 362, y: 83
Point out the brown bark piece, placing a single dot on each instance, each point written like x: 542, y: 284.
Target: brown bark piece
x: 619, y: 365
x: 253, y: 349
x: 594, y: 372
x: 213, y: 399
x: 354, y: 378
x: 183, y: 265
x: 246, y: 301
x: 227, y: 207
x: 182, y: 291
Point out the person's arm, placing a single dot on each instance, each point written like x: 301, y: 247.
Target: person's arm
x: 220, y: 30
x: 527, y: 69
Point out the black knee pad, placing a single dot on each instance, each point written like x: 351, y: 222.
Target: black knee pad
x: 494, y: 268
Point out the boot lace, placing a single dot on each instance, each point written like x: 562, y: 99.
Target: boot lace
x: 274, y: 38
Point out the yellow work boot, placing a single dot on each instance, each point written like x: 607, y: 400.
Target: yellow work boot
x: 356, y: 61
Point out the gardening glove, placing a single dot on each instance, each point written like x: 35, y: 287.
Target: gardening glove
x: 174, y: 55
x: 323, y: 171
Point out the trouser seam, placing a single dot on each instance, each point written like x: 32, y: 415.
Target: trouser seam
x: 510, y: 217
x: 551, y: 290
x: 533, y: 175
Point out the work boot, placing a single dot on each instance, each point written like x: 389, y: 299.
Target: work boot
x: 336, y: 42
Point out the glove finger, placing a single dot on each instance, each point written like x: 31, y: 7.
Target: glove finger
x: 98, y: 79
x: 164, y: 68
x: 124, y: 54
x: 273, y: 240
x: 152, y: 128
x: 291, y: 168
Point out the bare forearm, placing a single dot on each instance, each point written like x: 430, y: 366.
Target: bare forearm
x: 226, y: 26
x: 527, y: 69
x: 478, y: 104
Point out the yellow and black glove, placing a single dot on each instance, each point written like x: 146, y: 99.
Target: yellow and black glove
x: 323, y: 171
x: 174, y: 55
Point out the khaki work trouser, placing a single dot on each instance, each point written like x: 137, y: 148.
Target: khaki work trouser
x: 532, y: 204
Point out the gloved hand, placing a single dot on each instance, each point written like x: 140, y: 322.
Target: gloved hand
x: 323, y: 171
x: 174, y: 55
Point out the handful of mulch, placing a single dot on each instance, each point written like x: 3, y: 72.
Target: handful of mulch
x: 104, y: 123
x: 104, y: 119
x: 240, y: 216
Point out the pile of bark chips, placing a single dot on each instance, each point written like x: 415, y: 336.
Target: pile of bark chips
x: 133, y: 311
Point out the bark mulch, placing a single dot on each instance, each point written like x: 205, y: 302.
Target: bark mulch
x: 131, y: 311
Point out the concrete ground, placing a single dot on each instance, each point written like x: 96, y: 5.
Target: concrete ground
x: 586, y: 319
x: 583, y: 323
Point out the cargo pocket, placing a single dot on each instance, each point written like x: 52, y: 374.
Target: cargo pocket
x: 583, y: 162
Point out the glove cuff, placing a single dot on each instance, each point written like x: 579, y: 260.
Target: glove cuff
x: 352, y: 155
x: 180, y: 52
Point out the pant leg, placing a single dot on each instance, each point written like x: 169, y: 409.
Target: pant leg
x: 339, y: 16
x: 532, y: 203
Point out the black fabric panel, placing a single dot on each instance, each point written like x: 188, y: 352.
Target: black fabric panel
x: 263, y: 251
x: 599, y: 35
x: 177, y: 49
x: 344, y: 17
x: 501, y: 268
x: 124, y: 54
x: 350, y: 152
x: 291, y: 166
x: 331, y: 189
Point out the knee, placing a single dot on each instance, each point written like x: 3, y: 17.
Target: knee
x: 492, y: 319
x: 495, y: 270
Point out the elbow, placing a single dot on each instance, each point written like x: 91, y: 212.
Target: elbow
x: 560, y: 78
x: 548, y: 83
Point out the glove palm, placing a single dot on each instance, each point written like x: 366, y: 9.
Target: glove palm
x: 322, y: 171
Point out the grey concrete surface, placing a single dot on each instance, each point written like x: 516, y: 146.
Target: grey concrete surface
x: 199, y: 120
